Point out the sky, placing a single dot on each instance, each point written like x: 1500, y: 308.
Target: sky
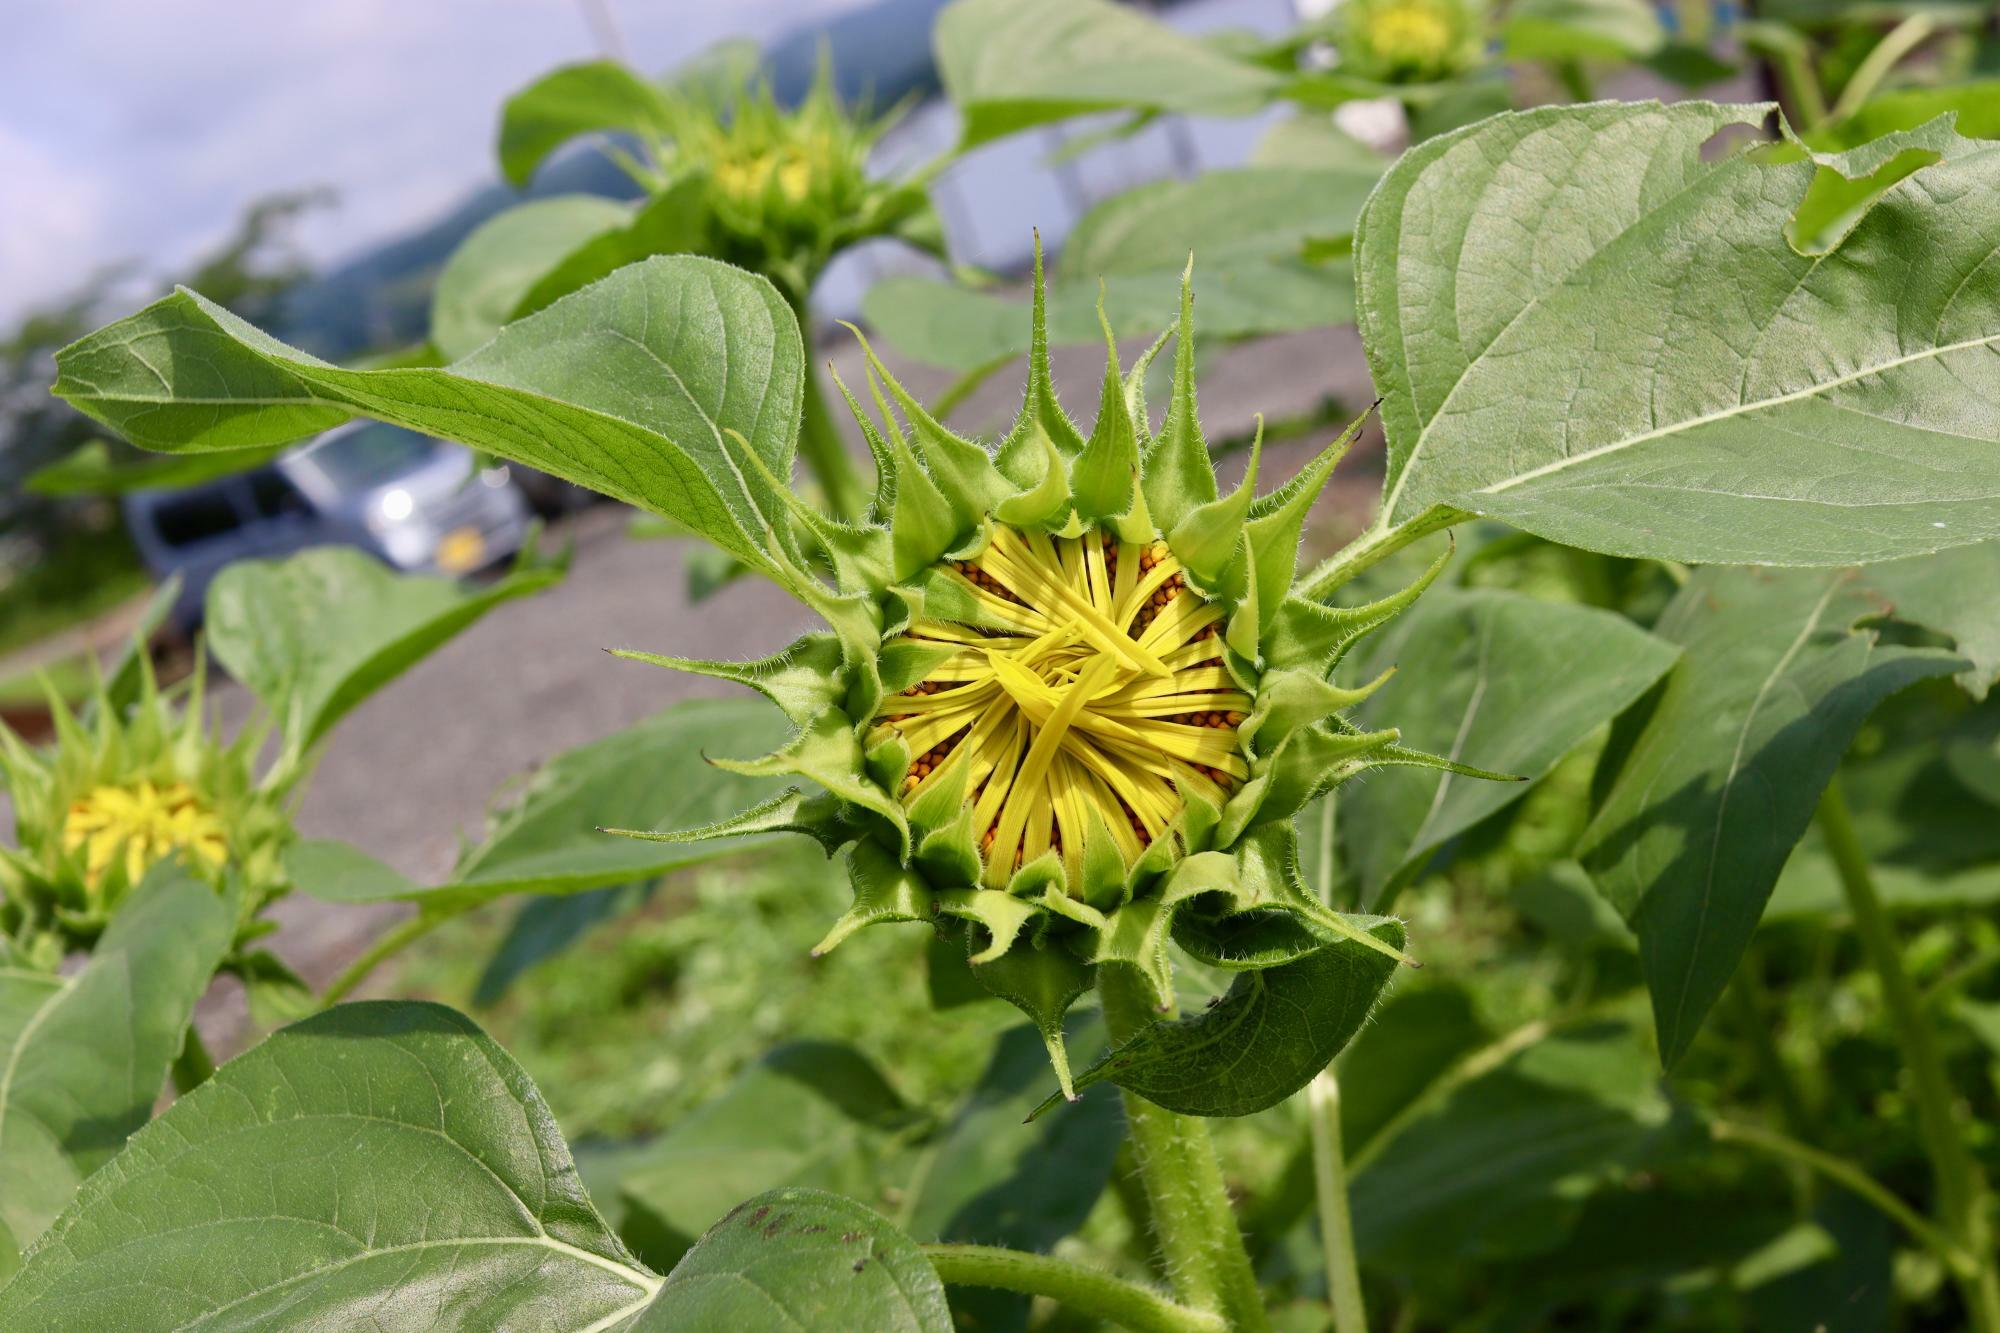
x: 138, y: 130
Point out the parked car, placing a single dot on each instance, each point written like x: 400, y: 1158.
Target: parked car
x: 417, y: 503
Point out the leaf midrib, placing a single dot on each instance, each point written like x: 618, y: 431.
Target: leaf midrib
x: 1740, y: 409
x: 645, y: 1282
x: 1395, y: 494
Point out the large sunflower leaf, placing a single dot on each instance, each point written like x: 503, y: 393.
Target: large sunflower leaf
x: 1773, y: 682
x: 381, y: 1164
x: 96, y: 467
x: 1582, y: 327
x: 85, y: 1056
x: 625, y: 387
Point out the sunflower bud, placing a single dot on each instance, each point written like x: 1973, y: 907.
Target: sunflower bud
x: 1409, y: 41
x: 1070, y: 702
x: 121, y: 789
x: 785, y: 189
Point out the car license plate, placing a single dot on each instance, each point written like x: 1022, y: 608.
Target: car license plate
x: 462, y: 549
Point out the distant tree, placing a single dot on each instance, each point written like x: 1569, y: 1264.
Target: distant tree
x: 249, y: 273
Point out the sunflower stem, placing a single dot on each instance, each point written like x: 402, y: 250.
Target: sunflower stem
x: 1964, y: 1203
x: 823, y: 450
x: 1080, y: 1290
x: 387, y: 944
x: 1194, y: 1224
x: 1336, y: 1224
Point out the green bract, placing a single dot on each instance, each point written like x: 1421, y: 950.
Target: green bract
x: 1070, y: 701
x: 121, y: 790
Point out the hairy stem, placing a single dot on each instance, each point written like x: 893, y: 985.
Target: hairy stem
x: 1962, y: 1197
x: 825, y: 452
x: 1336, y: 1226
x: 1084, y: 1291
x: 1193, y: 1222
x: 388, y: 943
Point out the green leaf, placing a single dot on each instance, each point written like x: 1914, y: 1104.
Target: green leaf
x: 382, y: 1164
x: 1261, y: 1042
x: 1503, y: 1167
x: 1581, y: 30
x: 1311, y: 139
x: 95, y: 469
x: 1011, y: 64
x: 83, y: 1057
x: 543, y: 928
x: 801, y: 1259
x: 315, y: 634
x: 496, y: 266
x: 941, y: 324
x: 1976, y: 104
x: 987, y: 1179
x: 1956, y: 593
x: 1773, y: 682
x: 549, y: 840
x: 625, y: 387
x: 1581, y: 327
x: 1491, y: 678
x: 1248, y: 230
x: 1222, y: 217
x: 674, y: 221
x: 577, y: 99
x: 815, y: 1114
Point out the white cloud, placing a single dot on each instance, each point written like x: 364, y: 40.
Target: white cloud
x: 52, y: 231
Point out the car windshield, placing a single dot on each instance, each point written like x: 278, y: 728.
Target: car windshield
x: 363, y: 459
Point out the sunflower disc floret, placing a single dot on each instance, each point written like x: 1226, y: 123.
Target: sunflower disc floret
x: 1086, y: 717
x: 1071, y: 699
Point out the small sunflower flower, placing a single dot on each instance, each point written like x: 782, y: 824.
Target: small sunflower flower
x: 127, y: 784
x: 1410, y: 41
x: 142, y: 824
x: 1071, y: 700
